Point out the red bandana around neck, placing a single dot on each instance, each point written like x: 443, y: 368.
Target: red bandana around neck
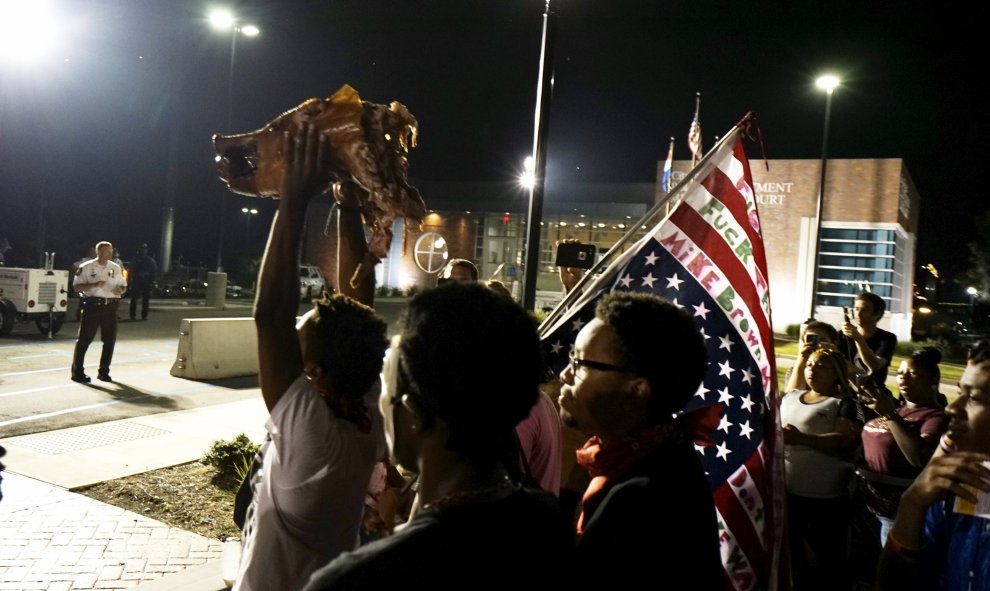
x: 606, y: 464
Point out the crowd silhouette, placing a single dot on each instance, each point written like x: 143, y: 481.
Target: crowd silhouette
x: 457, y: 468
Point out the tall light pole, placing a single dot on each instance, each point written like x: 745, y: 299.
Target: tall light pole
x: 224, y: 20
x: 828, y: 83
x: 248, y: 212
x: 544, y: 92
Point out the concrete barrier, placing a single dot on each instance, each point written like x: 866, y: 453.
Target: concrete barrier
x: 214, y: 348
x: 216, y: 290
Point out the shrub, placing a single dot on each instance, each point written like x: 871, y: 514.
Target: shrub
x: 233, y: 458
x: 793, y: 330
x: 953, y: 349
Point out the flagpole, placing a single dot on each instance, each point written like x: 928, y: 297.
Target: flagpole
x: 668, y: 171
x: 544, y: 92
x: 575, y: 292
x: 696, y: 150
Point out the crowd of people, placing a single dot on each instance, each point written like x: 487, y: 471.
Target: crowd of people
x: 855, y: 452
x: 439, y: 459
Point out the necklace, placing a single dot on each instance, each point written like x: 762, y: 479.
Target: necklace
x: 466, y: 497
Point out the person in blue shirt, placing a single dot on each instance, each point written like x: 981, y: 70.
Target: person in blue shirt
x: 936, y: 542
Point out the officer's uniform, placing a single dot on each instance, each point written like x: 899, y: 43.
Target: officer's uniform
x: 99, y: 310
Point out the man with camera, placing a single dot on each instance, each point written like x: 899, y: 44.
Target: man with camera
x: 865, y: 344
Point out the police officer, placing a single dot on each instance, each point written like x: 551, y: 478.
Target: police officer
x: 100, y: 283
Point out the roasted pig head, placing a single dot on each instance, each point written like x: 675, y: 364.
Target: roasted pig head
x: 369, y: 144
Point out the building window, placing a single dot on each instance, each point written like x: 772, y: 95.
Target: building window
x: 853, y: 260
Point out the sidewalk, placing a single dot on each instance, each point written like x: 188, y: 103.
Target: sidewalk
x: 55, y: 539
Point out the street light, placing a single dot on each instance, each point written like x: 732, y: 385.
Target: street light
x: 28, y: 31
x: 528, y: 177
x: 828, y: 83
x: 224, y: 20
x: 248, y: 213
x: 972, y: 291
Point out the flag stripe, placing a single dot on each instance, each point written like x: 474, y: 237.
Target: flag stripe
x: 740, y: 572
x: 738, y: 522
x: 688, y: 220
x: 722, y: 188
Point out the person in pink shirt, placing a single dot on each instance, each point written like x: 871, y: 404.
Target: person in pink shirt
x: 540, y: 441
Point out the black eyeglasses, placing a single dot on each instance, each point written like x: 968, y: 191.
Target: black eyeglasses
x: 575, y: 363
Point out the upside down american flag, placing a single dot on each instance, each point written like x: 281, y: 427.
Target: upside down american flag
x: 707, y: 257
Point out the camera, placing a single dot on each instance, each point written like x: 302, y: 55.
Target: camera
x: 864, y: 380
x: 812, y: 339
x: 574, y: 254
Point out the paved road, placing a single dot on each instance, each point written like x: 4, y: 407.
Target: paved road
x: 36, y: 394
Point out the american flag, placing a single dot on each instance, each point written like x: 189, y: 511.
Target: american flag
x: 707, y: 257
x: 694, y: 139
x: 668, y: 168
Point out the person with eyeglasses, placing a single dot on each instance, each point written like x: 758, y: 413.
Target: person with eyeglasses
x: 648, y: 518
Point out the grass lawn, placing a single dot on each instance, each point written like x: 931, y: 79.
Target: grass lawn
x: 786, y: 347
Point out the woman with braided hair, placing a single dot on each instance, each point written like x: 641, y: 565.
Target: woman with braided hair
x: 821, y: 431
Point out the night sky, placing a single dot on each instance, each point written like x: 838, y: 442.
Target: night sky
x: 100, y: 141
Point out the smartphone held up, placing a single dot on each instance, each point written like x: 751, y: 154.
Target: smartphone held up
x: 575, y: 254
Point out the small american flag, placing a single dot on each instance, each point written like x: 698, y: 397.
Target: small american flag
x: 694, y: 133
x: 707, y: 257
x: 694, y: 140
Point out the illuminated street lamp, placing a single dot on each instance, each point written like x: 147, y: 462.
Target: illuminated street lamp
x: 27, y: 30
x: 528, y: 177
x: 224, y: 20
x: 828, y: 83
x: 972, y: 291
x: 248, y: 213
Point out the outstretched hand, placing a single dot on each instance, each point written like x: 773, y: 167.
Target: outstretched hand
x: 307, y: 166
x: 958, y: 474
x: 849, y: 329
x: 878, y: 400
